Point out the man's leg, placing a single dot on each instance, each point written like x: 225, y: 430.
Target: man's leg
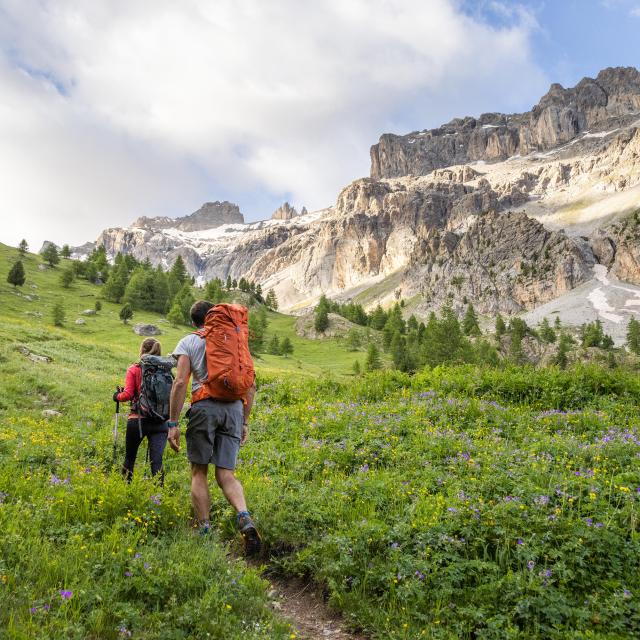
x: 231, y: 488
x: 200, y: 492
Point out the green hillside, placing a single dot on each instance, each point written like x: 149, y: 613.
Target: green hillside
x: 460, y: 502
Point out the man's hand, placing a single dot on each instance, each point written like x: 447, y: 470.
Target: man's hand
x: 245, y: 433
x: 174, y: 438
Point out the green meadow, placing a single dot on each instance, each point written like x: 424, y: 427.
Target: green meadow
x: 460, y: 502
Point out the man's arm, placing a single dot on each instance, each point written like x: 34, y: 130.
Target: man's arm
x: 178, y: 394
x: 247, y: 411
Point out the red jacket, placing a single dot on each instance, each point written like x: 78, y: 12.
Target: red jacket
x: 132, y: 386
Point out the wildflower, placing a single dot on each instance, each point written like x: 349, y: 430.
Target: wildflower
x: 452, y: 510
x: 124, y: 632
x: 364, y: 468
x: 66, y: 595
x: 138, y: 556
x: 146, y: 565
x: 394, y: 545
x: 419, y: 575
x: 519, y: 541
x: 530, y: 565
x: 128, y: 574
x: 156, y: 499
x: 626, y: 593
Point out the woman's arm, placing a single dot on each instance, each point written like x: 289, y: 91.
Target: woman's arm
x: 129, y: 392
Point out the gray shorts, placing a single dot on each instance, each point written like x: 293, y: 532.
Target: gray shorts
x: 214, y: 431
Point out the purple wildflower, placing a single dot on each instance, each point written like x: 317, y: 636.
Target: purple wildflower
x: 530, y: 565
x: 156, y: 499
x: 452, y: 510
x: 146, y: 565
x: 128, y: 574
x: 137, y: 555
x: 394, y: 545
x: 364, y: 468
x: 33, y: 610
x: 66, y: 595
x: 519, y: 541
x: 419, y: 575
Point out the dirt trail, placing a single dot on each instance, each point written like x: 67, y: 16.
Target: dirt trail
x: 303, y: 605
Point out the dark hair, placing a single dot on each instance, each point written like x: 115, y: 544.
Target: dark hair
x: 198, y: 312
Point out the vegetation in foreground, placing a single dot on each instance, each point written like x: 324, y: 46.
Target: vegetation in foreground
x: 462, y: 502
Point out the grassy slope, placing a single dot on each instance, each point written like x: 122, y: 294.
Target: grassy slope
x: 432, y: 514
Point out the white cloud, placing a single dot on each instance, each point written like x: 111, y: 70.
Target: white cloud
x: 635, y: 12
x: 113, y: 109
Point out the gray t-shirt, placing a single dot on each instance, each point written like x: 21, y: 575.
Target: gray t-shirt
x: 193, y: 347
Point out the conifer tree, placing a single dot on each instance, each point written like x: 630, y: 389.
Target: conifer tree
x: 175, y: 316
x: 354, y: 339
x: 57, y: 314
x: 50, y: 255
x: 214, y: 292
x: 126, y: 313
x: 501, y: 327
x: 271, y: 301
x: 67, y: 277
x: 378, y: 318
x: 286, y: 348
x: 633, y: 336
x: 470, y: 325
x: 321, y: 319
x: 65, y: 252
x: 23, y: 247
x: 561, y: 358
x: 116, y: 283
x: 546, y: 332
x: 228, y: 283
x: 356, y: 368
x: 274, y: 345
x: 17, y: 275
x: 97, y: 306
x: 184, y: 298
x: 372, y: 361
x: 557, y: 324
x: 179, y: 271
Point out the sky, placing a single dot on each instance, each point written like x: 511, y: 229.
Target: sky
x: 114, y: 109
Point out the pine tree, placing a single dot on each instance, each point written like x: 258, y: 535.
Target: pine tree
x: 184, y: 298
x: 356, y: 368
x: 17, y: 275
x: 372, y: 361
x: 271, y: 301
x: 546, y: 332
x: 175, y: 316
x: 115, y: 286
x: 234, y: 284
x: 257, y: 326
x: 228, y: 283
x: 214, y: 291
x: 274, y: 346
x: 179, y: 271
x: 57, y: 314
x: 378, y: 318
x: 398, y: 352
x: 23, y: 247
x: 97, y: 306
x: 321, y: 320
x: 126, y: 313
x: 354, y: 339
x: 557, y: 324
x: 515, y: 348
x: 561, y: 358
x: 286, y: 348
x: 501, y: 327
x: 50, y: 255
x: 65, y: 252
x: 67, y: 277
x: 139, y: 292
x: 470, y: 325
x: 160, y: 291
x: 633, y: 336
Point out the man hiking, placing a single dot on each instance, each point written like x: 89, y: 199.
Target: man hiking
x: 216, y: 427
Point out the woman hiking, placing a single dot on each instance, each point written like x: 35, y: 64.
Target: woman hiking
x: 139, y: 426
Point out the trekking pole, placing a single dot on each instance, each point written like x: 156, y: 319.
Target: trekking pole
x: 115, y: 433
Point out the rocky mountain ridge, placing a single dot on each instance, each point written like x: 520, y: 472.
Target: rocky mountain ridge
x: 560, y: 116
x: 508, y: 235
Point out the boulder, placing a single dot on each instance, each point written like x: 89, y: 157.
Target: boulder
x: 81, y: 321
x: 35, y: 357
x: 50, y: 413
x: 146, y: 330
x: 89, y: 312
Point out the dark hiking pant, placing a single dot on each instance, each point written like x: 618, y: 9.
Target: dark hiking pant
x: 156, y: 434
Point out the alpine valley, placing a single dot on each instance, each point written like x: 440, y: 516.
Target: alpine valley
x: 535, y: 213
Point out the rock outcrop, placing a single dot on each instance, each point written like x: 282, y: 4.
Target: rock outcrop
x: 560, y: 116
x: 284, y: 212
x: 209, y: 216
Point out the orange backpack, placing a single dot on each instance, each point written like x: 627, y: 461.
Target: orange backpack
x: 230, y: 372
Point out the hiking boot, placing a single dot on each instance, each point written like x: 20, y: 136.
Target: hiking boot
x: 252, y: 540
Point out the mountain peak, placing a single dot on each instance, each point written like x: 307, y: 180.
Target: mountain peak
x: 209, y: 216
